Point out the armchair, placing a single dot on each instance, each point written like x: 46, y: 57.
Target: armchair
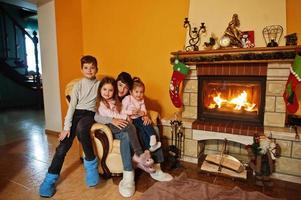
x: 105, y: 146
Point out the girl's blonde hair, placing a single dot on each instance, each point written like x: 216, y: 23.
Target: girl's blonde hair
x: 104, y: 81
x: 137, y: 83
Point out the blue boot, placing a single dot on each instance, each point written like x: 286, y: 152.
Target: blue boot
x: 92, y: 175
x: 47, y: 188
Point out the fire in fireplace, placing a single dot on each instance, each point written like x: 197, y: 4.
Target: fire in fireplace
x: 231, y: 98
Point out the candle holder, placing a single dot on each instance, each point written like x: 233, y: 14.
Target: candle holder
x: 194, y: 35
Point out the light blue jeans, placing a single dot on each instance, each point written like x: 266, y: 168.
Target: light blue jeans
x: 125, y: 150
x: 128, y: 139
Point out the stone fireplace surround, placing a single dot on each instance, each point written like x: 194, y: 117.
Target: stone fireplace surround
x: 204, y: 138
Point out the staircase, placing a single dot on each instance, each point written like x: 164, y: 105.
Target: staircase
x: 13, y: 54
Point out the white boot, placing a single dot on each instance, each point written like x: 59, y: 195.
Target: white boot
x: 159, y: 175
x: 152, y: 140
x: 154, y: 145
x: 127, y: 184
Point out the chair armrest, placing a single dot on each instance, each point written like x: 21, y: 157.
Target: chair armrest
x: 154, y: 116
x: 103, y: 143
x: 106, y: 130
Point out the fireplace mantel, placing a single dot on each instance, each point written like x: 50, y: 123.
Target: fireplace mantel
x: 244, y: 55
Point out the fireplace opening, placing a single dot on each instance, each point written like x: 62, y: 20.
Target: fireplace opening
x: 239, y: 98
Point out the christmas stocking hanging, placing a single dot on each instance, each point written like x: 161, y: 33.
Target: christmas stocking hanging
x: 180, y: 71
x: 294, y: 78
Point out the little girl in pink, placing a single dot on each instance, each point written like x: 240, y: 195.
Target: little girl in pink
x: 133, y: 105
x: 110, y: 106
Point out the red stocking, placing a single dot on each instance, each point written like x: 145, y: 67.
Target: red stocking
x: 294, y: 78
x: 179, y: 74
x: 289, y: 95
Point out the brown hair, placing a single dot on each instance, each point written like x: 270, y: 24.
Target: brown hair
x: 137, y: 83
x: 88, y: 59
x: 109, y: 80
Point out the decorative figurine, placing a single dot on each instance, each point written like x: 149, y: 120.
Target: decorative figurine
x: 248, y: 39
x: 262, y: 154
x: 272, y: 35
x: 232, y: 33
x: 212, y: 41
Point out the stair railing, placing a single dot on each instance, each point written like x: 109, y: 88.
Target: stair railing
x: 6, y: 19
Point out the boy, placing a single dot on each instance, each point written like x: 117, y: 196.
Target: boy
x: 78, y: 121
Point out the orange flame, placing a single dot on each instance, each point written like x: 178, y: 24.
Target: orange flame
x: 239, y: 102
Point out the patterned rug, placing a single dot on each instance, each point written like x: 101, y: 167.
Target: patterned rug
x: 190, y: 189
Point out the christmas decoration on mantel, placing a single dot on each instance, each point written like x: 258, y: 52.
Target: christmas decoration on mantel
x: 272, y: 35
x: 291, y: 39
x: 246, y: 57
x: 232, y: 36
x: 180, y: 71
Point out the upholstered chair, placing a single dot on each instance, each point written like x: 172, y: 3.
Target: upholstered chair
x: 106, y: 148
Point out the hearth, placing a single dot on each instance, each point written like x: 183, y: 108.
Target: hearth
x: 238, y: 98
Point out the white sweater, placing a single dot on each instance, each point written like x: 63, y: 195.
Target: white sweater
x: 83, y: 97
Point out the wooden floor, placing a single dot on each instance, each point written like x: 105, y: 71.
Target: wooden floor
x: 26, y: 152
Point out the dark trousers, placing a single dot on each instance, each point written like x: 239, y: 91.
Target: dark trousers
x: 144, y: 133
x: 82, y: 122
x: 148, y: 130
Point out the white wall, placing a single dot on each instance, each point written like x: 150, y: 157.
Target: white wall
x: 253, y: 15
x: 51, y: 89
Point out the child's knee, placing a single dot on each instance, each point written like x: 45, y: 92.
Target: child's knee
x: 125, y: 136
x: 130, y: 128
x: 61, y: 151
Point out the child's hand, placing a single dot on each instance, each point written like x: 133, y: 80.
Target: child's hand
x: 129, y: 119
x: 63, y: 135
x: 119, y: 123
x: 141, y: 113
x: 146, y: 120
x: 135, y: 112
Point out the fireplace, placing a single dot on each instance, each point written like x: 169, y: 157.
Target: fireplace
x: 239, y: 98
x: 204, y: 129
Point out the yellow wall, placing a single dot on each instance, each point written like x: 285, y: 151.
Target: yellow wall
x: 293, y: 16
x: 136, y: 36
x: 253, y: 15
x: 69, y: 42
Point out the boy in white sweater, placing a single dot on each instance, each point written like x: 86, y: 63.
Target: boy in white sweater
x: 78, y: 121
